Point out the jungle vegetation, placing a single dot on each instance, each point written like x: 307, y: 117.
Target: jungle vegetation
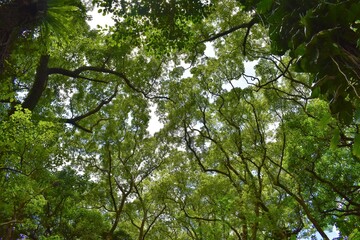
x: 269, y: 155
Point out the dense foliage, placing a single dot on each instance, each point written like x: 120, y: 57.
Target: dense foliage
x: 269, y: 154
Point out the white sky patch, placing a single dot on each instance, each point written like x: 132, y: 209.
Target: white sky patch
x: 99, y: 20
x: 209, y: 51
x: 154, y: 124
x: 241, y: 82
x: 271, y: 132
x: 332, y: 234
x: 250, y: 67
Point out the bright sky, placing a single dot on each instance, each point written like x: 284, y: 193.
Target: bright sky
x: 99, y: 19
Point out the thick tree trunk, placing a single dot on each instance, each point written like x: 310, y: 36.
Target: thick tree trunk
x: 17, y: 16
x: 40, y: 83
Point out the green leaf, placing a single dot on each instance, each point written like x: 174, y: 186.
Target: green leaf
x: 355, y: 235
x: 335, y: 139
x: 356, y: 146
x: 300, y: 50
x: 315, y: 92
x: 357, y: 116
x: 264, y: 6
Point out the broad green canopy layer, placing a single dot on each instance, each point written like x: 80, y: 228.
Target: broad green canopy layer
x: 271, y: 155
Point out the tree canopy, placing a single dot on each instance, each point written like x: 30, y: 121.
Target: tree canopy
x: 269, y: 155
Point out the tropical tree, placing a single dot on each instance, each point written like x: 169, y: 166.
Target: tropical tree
x: 269, y: 155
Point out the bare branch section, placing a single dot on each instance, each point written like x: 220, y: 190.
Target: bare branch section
x: 74, y: 74
x: 247, y: 25
x: 74, y: 121
x: 41, y: 83
x: 9, y: 222
x: 77, y: 74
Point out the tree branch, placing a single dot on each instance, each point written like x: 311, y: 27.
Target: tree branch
x: 40, y: 83
x: 189, y: 145
x: 154, y: 220
x: 247, y: 25
x: 9, y: 222
x: 73, y: 74
x: 76, y: 74
x: 74, y: 121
